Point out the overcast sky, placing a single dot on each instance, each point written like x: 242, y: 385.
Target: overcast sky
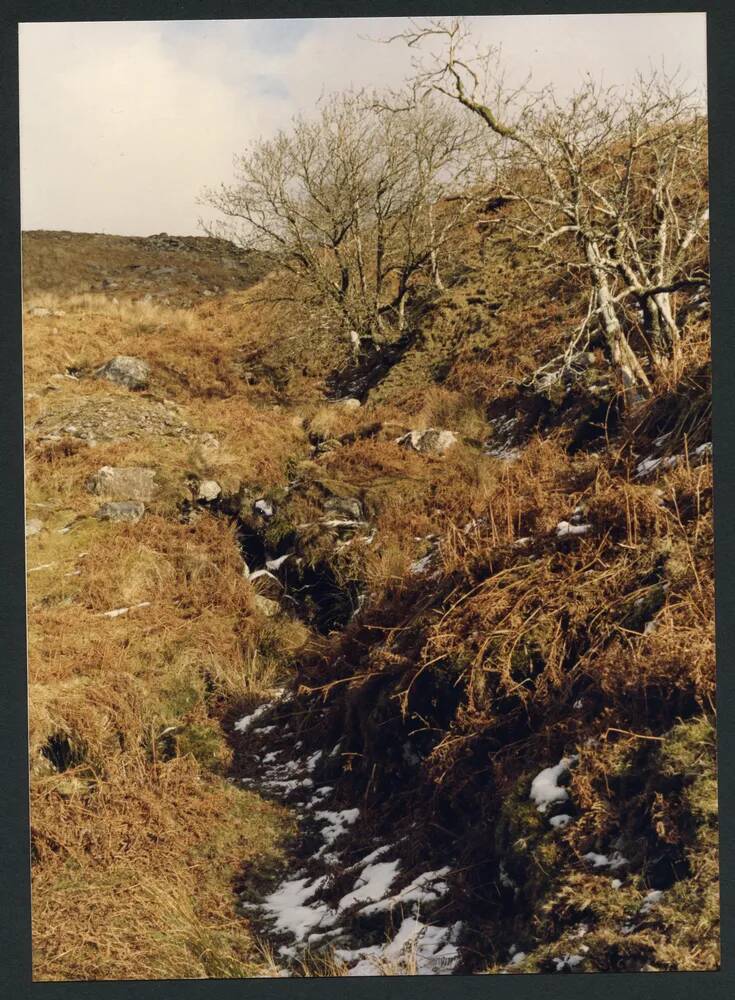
x: 124, y: 123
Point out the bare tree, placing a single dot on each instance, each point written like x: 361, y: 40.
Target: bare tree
x: 608, y: 185
x: 354, y: 203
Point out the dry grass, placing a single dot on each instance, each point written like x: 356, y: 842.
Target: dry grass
x: 498, y: 660
x: 131, y: 880
x: 137, y: 834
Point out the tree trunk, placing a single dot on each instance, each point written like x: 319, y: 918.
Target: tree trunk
x: 655, y: 332
x: 438, y: 283
x: 662, y: 332
x: 663, y: 301
x: 402, y: 313
x: 623, y: 356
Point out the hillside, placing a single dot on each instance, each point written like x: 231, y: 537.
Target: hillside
x: 360, y: 665
x: 173, y: 270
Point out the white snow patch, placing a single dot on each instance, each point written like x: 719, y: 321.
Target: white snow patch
x: 373, y: 884
x: 337, y: 823
x: 243, y: 724
x: 652, y: 899
x: 274, y: 564
x: 567, y: 962
x: 559, y: 822
x: 322, y: 792
x: 432, y: 950
x: 545, y: 787
x: 425, y: 888
x: 287, y: 786
x: 564, y: 529
x: 371, y: 857
x: 648, y: 465
x: 603, y: 861
x: 311, y: 762
x: 262, y: 572
x: 289, y: 906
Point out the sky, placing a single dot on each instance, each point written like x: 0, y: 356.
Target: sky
x: 124, y: 124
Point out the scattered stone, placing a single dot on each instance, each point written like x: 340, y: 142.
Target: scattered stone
x: 350, y: 403
x: 264, y: 507
x: 123, y: 484
x: 68, y: 786
x: 344, y: 507
x: 125, y: 510
x: 116, y: 612
x: 39, y: 311
x: 109, y: 418
x: 430, y: 441
x: 133, y: 373
x: 265, y: 605
x: 209, y: 490
x: 206, y: 440
x: 33, y: 527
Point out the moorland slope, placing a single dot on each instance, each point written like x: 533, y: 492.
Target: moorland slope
x: 388, y: 665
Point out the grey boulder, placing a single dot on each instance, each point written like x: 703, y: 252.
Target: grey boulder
x: 124, y: 510
x: 266, y: 606
x: 343, y: 507
x: 430, y: 441
x: 209, y: 490
x: 133, y: 373
x: 113, y: 483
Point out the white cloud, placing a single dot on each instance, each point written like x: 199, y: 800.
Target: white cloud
x: 124, y: 123
x: 121, y: 136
